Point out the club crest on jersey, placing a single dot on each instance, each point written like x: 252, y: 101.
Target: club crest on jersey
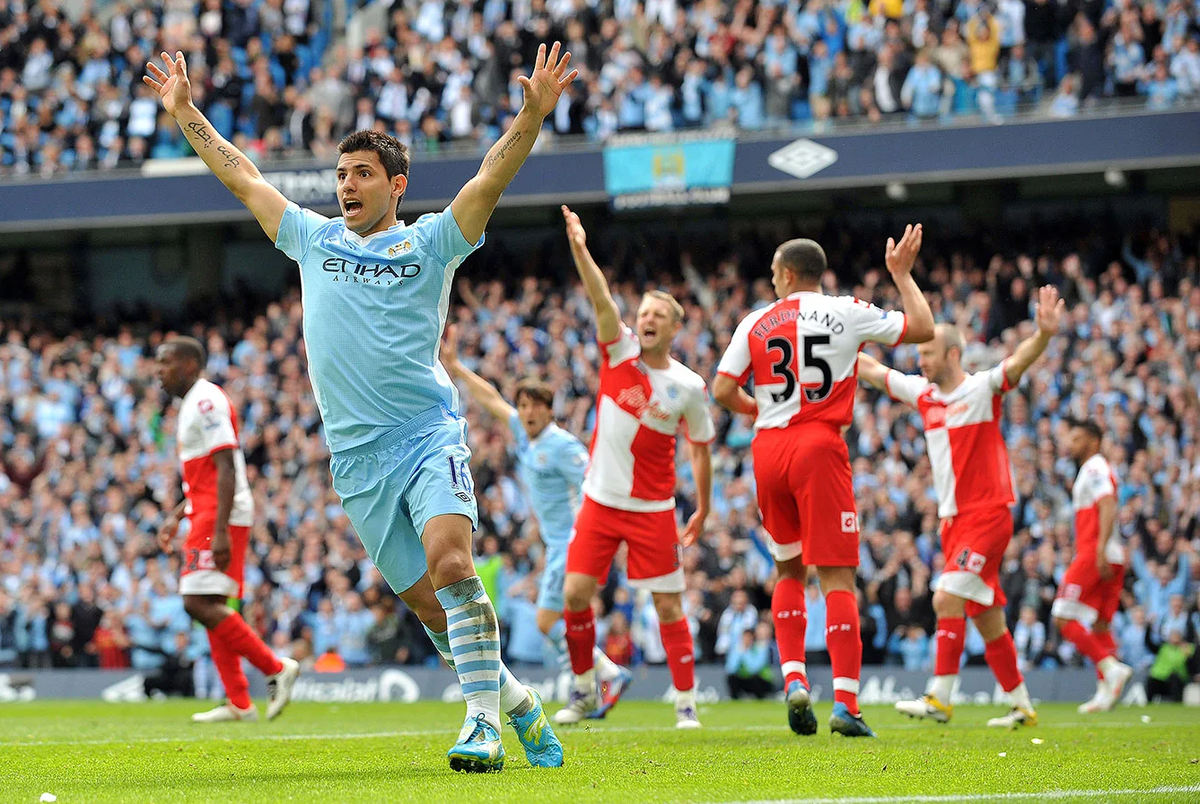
x: 403, y: 248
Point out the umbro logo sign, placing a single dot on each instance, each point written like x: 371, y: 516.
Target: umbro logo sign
x: 803, y: 158
x: 462, y: 495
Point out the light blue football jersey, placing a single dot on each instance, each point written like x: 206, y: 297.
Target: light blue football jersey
x: 551, y: 468
x: 374, y: 310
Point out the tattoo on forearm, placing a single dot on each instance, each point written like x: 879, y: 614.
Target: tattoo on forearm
x: 201, y: 132
x: 230, y: 156
x: 503, y: 152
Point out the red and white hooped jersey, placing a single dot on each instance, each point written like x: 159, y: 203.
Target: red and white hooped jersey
x: 962, y: 434
x: 1094, y: 482
x: 639, y: 413
x: 802, y: 352
x: 208, y: 424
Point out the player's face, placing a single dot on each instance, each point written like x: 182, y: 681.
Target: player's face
x: 533, y: 414
x: 171, y: 371
x: 932, y: 358
x: 1079, y: 444
x: 656, y: 325
x: 365, y: 193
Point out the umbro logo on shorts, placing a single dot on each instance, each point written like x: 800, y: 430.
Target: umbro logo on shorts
x: 849, y: 522
x: 462, y: 495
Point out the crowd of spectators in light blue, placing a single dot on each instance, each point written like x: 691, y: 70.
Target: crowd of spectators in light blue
x: 89, y: 463
x: 279, y: 78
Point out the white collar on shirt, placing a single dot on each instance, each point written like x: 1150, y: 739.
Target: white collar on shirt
x: 357, y: 239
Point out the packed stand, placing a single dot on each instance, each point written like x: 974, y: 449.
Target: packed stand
x: 89, y: 464
x: 270, y: 76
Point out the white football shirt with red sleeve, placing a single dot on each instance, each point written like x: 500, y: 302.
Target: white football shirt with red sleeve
x: 962, y: 435
x: 208, y: 424
x: 639, y: 413
x: 1095, y: 482
x: 802, y: 353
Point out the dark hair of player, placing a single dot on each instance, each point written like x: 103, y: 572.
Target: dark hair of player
x: 187, y: 348
x: 1088, y: 426
x: 392, y: 153
x: 536, y: 390
x: 805, y: 258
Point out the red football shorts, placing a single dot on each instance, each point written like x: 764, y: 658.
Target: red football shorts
x: 1086, y: 597
x: 200, y: 575
x: 806, y: 495
x: 974, y: 545
x: 653, y: 540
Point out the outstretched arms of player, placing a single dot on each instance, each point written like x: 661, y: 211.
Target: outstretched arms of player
x: 480, y: 389
x: 872, y: 372
x: 226, y: 162
x: 700, y: 456
x: 1047, y: 315
x: 900, y: 258
x: 608, y: 317
x: 474, y: 204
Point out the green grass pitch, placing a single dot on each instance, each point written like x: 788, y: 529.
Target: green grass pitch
x: 100, y: 752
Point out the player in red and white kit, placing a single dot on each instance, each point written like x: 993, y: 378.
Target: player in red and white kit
x: 801, y: 353
x: 646, y: 398
x: 1090, y: 591
x: 973, y: 480
x: 219, y: 506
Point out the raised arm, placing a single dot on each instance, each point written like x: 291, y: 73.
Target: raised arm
x: 872, y: 372
x: 480, y: 389
x: 608, y: 317
x: 1048, y: 315
x: 226, y: 162
x: 474, y: 204
x: 900, y: 258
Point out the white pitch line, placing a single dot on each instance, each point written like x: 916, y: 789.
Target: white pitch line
x: 373, y: 735
x: 1045, y: 795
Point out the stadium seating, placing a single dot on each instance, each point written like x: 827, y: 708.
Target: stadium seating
x: 281, y: 77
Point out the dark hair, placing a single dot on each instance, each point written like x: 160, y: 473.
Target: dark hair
x: 805, y: 258
x: 536, y: 390
x: 1088, y: 426
x: 187, y: 348
x: 392, y: 153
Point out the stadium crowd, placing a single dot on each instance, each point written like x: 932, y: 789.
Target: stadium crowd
x: 89, y: 465
x: 274, y: 73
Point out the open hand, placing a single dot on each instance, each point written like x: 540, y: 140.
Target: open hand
x: 544, y: 86
x: 900, y: 257
x: 172, y: 87
x: 1049, y: 310
x: 166, y: 533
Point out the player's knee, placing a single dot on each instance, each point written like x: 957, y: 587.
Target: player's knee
x: 947, y: 605
x: 669, y: 607
x: 450, y: 567
x: 200, y: 609
x: 577, y: 593
x: 836, y: 579
x: 794, y: 568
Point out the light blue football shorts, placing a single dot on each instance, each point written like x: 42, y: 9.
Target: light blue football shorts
x: 391, y: 487
x: 554, y: 573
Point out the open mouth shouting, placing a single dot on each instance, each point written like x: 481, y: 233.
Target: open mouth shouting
x: 351, y: 207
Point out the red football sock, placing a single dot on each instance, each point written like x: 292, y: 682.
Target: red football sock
x: 790, y: 613
x: 681, y: 655
x: 951, y: 634
x: 229, y: 668
x: 844, y: 642
x: 240, y: 638
x: 581, y: 639
x: 1086, y: 641
x: 1001, y: 656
